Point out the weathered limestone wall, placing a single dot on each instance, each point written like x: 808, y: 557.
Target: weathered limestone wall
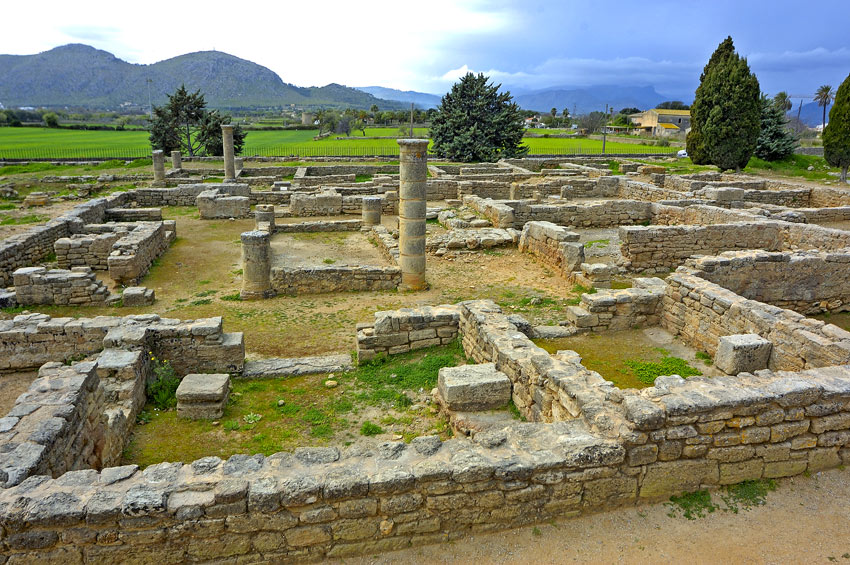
x: 515, y: 213
x: 133, y: 254
x: 326, y: 203
x: 824, y: 215
x: 184, y: 194
x: 319, y: 226
x: 442, y: 189
x: 803, y: 236
x: 134, y: 215
x: 698, y: 215
x: 553, y: 245
x: 500, y: 214
x: 807, y: 282
x: 90, y: 250
x: 619, y: 309
x: 200, y: 346
x: 333, y: 278
x: 400, y: 331
x: 827, y: 197
x: 701, y: 312
x: 215, y: 204
x: 634, y: 190
x: 37, y: 285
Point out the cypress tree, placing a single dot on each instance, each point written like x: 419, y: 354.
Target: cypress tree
x: 701, y: 106
x: 775, y: 140
x: 475, y: 122
x: 836, y: 134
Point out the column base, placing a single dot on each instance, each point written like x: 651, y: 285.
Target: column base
x: 257, y: 295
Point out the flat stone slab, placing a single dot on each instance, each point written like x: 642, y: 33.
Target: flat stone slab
x: 473, y: 388
x: 295, y: 366
x: 197, y: 388
x: 552, y: 332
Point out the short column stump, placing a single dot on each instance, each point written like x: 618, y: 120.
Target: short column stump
x: 203, y: 397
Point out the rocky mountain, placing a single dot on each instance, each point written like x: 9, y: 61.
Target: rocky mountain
x: 589, y: 99
x: 79, y: 75
x: 422, y: 100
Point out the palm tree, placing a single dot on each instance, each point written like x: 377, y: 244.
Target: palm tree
x: 782, y: 101
x: 824, y: 97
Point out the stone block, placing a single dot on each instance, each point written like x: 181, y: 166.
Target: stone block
x: 203, y: 397
x: 138, y: 296
x: 474, y: 387
x: 742, y: 353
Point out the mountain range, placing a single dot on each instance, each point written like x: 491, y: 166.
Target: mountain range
x: 80, y: 75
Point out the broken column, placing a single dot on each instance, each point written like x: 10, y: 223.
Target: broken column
x: 176, y: 160
x: 256, y: 265
x: 264, y: 213
x: 371, y: 210
x: 238, y: 164
x: 413, y: 169
x: 227, y: 143
x: 158, y: 168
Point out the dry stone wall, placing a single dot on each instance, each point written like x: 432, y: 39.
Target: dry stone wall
x: 133, y: 254
x: 333, y: 278
x: 553, y: 245
x: 614, y: 310
x: 400, y: 331
x: 37, y: 285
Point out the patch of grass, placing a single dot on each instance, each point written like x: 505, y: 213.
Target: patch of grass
x: 362, y: 178
x: 370, y: 429
x: 252, y: 418
x: 201, y: 302
x: 691, y: 505
x: 647, y: 371
x: 23, y: 220
x: 231, y: 425
x: 235, y: 297
x: 204, y: 293
x: 747, y: 494
x: 704, y: 357
x: 8, y: 206
x: 328, y: 261
x: 597, y: 243
x: 515, y: 413
x: 535, y: 531
x: 206, y: 281
x: 794, y: 166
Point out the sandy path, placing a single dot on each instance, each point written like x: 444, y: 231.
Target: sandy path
x: 806, y: 520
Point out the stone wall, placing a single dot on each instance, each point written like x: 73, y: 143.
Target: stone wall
x: 824, y: 215
x: 133, y: 254
x: 91, y: 250
x: 215, y: 204
x: 333, y: 278
x: 37, y: 285
x: 184, y: 194
x: 639, y: 306
x: 553, y: 245
x: 701, y: 312
x: 319, y: 226
x: 400, y: 331
x: 828, y: 197
x: 808, y: 282
x: 327, y: 203
x: 200, y: 346
x: 634, y: 190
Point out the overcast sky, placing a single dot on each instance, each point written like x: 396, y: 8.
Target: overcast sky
x: 426, y: 45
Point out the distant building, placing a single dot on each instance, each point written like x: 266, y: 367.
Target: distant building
x: 662, y: 122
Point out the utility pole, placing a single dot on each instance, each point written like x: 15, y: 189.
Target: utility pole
x: 150, y: 106
x: 411, y: 119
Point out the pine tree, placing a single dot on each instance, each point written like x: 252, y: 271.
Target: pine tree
x: 475, y: 122
x: 729, y: 112
x: 701, y: 106
x: 836, y: 134
x: 185, y: 124
x: 775, y: 140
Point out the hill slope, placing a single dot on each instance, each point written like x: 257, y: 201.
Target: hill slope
x: 592, y: 98
x: 421, y: 99
x: 79, y: 75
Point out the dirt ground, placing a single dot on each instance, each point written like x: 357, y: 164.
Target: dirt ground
x: 12, y: 385
x: 806, y: 520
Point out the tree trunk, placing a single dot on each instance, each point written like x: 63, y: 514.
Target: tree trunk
x: 844, y: 174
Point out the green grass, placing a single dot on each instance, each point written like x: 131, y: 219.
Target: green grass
x: 647, y: 371
x: 745, y: 495
x: 691, y: 505
x: 704, y: 357
x: 597, y: 243
x: 22, y: 220
x: 370, y: 429
x: 794, y: 166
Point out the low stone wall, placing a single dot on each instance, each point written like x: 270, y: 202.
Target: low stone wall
x: 331, y: 278
x: 500, y: 214
x: 200, y: 346
x: 496, y: 189
x: 657, y: 248
x: 808, y: 282
x: 824, y: 215
x: 328, y: 203
x: 305, y: 181
x: 319, y: 226
x: 480, y: 238
x: 553, y: 245
x: 441, y: 189
x: 828, y: 197
x: 37, y: 285
x: 701, y: 312
x: 639, y: 306
x: 214, y: 204
x: 803, y: 236
x: 133, y: 254
x: 698, y: 215
x: 400, y: 331
x: 184, y: 194
x: 634, y: 190
x: 91, y: 250
x: 385, y: 242
x: 134, y: 215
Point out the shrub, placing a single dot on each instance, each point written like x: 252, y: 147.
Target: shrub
x: 162, y: 390
x: 370, y: 429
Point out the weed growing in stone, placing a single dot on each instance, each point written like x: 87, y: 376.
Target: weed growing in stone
x: 704, y: 357
x: 691, y: 505
x: 742, y: 496
x: 162, y: 390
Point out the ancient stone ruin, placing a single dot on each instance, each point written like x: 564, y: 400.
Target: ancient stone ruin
x: 732, y: 266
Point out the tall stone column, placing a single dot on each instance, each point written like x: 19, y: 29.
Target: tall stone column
x: 256, y: 265
x: 176, y: 160
x: 158, y: 168
x: 227, y: 143
x: 413, y: 177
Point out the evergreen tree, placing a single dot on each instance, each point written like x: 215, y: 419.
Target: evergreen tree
x: 775, y: 140
x: 475, y: 122
x: 729, y: 116
x: 186, y: 125
x: 836, y: 135
x: 702, y: 105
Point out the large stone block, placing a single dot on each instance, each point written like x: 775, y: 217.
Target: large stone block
x: 202, y: 396
x: 742, y: 353
x: 474, y: 387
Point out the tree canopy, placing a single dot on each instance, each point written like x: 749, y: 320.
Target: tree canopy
x: 776, y: 141
x: 726, y: 113
x: 184, y: 124
x: 836, y: 134
x: 476, y: 122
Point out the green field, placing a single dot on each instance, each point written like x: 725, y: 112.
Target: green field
x: 44, y: 143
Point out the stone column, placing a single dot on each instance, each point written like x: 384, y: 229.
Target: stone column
x: 265, y: 213
x: 176, y: 160
x: 158, y: 168
x: 413, y: 169
x: 238, y: 163
x: 256, y: 265
x: 371, y: 210
x: 227, y: 142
